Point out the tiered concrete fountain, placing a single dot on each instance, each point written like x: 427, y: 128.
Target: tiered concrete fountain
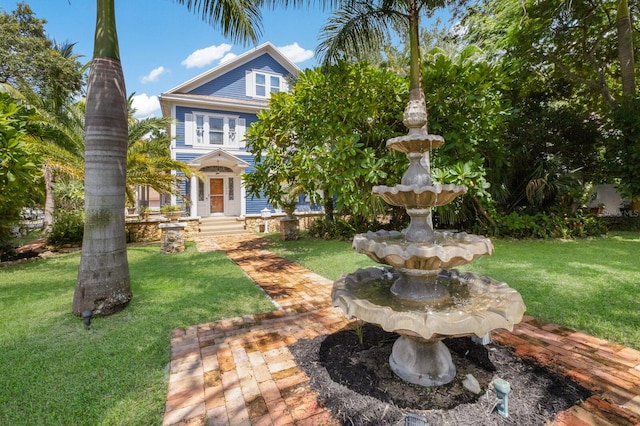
x: 418, y: 297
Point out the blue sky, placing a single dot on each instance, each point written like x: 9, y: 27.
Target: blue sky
x: 162, y: 44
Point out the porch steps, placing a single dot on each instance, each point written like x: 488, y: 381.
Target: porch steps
x: 211, y: 226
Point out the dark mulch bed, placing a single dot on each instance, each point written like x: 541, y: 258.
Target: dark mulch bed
x: 355, y: 382
x: 28, y: 251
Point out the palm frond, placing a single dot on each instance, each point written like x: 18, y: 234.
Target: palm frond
x: 358, y: 28
x: 240, y: 20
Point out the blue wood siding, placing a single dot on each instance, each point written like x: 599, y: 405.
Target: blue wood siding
x: 185, y: 158
x: 254, y: 204
x: 232, y: 84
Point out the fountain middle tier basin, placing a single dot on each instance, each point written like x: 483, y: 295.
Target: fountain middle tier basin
x: 477, y: 304
x: 416, y: 196
x: 446, y: 250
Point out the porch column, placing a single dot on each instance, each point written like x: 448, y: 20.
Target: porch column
x: 194, y: 196
x: 243, y: 197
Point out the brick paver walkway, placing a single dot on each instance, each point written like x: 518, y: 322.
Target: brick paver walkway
x: 240, y: 371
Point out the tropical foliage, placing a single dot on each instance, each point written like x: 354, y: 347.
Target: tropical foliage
x: 318, y: 139
x: 18, y: 166
x: 580, y: 56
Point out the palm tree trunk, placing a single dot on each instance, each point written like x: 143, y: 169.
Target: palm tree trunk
x: 415, y: 72
x: 625, y: 49
x: 103, y: 285
x: 49, y: 201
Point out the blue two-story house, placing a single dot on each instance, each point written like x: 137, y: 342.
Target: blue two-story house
x: 210, y: 114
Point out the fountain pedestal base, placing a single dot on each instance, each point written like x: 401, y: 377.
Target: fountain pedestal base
x: 422, y: 362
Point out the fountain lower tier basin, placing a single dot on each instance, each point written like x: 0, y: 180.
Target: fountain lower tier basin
x: 417, y: 196
x: 475, y: 306
x: 446, y: 249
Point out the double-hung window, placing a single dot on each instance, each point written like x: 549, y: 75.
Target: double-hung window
x: 261, y: 84
x: 216, y: 131
x: 274, y: 83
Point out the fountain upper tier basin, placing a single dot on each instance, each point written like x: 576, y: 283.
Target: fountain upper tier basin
x: 418, y: 141
x: 419, y: 197
x: 482, y: 305
x: 446, y: 250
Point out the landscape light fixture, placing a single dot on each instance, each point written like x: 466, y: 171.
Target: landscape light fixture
x: 86, y: 317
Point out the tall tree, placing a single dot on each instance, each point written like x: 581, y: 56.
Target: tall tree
x: 588, y: 43
x: 625, y: 49
x: 584, y: 52
x: 103, y: 283
x: 29, y: 60
x: 361, y: 26
x: 45, y: 74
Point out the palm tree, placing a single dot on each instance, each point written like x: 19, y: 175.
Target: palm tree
x: 362, y: 26
x: 103, y: 283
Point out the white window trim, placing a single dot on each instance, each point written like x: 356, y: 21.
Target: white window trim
x: 191, y: 137
x: 250, y: 79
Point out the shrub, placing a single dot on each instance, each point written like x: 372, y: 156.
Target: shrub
x: 344, y: 228
x: 549, y: 225
x: 67, y: 228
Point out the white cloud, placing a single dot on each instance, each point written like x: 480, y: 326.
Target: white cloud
x: 145, y: 106
x: 154, y: 75
x: 203, y: 57
x: 229, y: 56
x: 295, y: 53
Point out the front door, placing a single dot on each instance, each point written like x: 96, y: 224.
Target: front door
x: 216, y: 195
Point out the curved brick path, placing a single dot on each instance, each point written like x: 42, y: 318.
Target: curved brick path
x: 240, y: 371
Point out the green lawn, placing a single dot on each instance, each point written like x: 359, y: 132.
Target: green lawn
x: 591, y: 285
x: 53, y: 371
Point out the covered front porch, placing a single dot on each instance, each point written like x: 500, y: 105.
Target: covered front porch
x: 218, y: 191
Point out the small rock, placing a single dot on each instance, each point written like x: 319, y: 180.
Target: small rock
x: 471, y: 384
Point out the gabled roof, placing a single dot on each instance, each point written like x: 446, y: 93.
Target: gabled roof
x: 218, y: 155
x: 235, y: 63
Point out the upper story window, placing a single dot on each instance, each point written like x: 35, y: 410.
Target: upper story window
x: 216, y: 131
x: 213, y: 130
x: 261, y: 84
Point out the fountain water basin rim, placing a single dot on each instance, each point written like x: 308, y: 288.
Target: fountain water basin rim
x: 446, y: 250
x: 419, y: 196
x: 417, y: 141
x: 492, y: 305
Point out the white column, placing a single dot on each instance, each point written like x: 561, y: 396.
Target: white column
x: 194, y: 196
x: 243, y: 197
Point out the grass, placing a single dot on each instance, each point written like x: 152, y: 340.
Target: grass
x: 53, y: 371
x: 589, y: 285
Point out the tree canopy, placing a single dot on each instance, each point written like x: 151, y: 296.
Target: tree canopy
x: 328, y: 137
x: 29, y: 60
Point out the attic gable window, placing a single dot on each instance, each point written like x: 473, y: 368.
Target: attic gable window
x: 261, y: 84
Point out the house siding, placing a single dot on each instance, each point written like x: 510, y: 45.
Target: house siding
x: 232, y: 84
